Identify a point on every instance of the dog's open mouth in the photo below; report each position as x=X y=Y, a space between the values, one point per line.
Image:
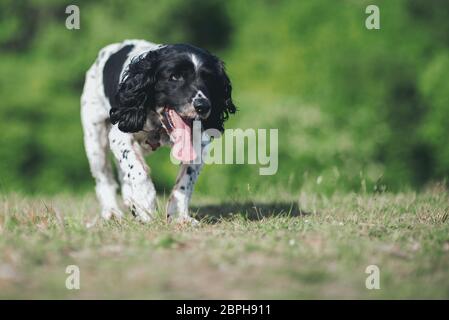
x=180 y=132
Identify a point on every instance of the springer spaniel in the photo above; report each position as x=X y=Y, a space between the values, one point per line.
x=136 y=96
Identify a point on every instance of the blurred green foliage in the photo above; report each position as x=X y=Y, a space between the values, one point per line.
x=356 y=109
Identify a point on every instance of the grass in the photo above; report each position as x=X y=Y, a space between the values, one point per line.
x=267 y=249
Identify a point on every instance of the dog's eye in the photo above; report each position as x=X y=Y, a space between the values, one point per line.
x=176 y=77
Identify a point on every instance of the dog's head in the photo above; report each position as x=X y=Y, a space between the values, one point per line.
x=181 y=83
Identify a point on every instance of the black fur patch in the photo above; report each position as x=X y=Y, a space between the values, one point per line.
x=111 y=72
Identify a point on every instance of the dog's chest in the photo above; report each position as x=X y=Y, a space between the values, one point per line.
x=153 y=134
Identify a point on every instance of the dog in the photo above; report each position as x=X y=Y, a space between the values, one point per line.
x=135 y=96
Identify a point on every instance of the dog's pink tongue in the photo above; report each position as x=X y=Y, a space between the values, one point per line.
x=182 y=138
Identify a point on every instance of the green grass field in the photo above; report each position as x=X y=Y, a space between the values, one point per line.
x=263 y=248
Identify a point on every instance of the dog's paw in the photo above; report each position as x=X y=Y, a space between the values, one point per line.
x=184 y=220
x=143 y=218
x=109 y=213
x=140 y=215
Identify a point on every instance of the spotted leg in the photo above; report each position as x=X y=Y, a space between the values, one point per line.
x=125 y=186
x=140 y=195
x=178 y=203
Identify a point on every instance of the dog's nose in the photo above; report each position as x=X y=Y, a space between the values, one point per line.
x=201 y=105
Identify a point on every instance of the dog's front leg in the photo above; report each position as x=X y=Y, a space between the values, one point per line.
x=178 y=203
x=135 y=173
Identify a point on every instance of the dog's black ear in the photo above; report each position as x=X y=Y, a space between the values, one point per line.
x=135 y=94
x=222 y=100
x=229 y=107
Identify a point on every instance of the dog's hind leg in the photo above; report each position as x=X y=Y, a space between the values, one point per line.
x=96 y=128
x=96 y=144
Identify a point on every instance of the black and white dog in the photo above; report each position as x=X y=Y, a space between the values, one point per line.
x=135 y=96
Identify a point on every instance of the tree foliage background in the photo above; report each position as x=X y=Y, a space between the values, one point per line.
x=356 y=109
